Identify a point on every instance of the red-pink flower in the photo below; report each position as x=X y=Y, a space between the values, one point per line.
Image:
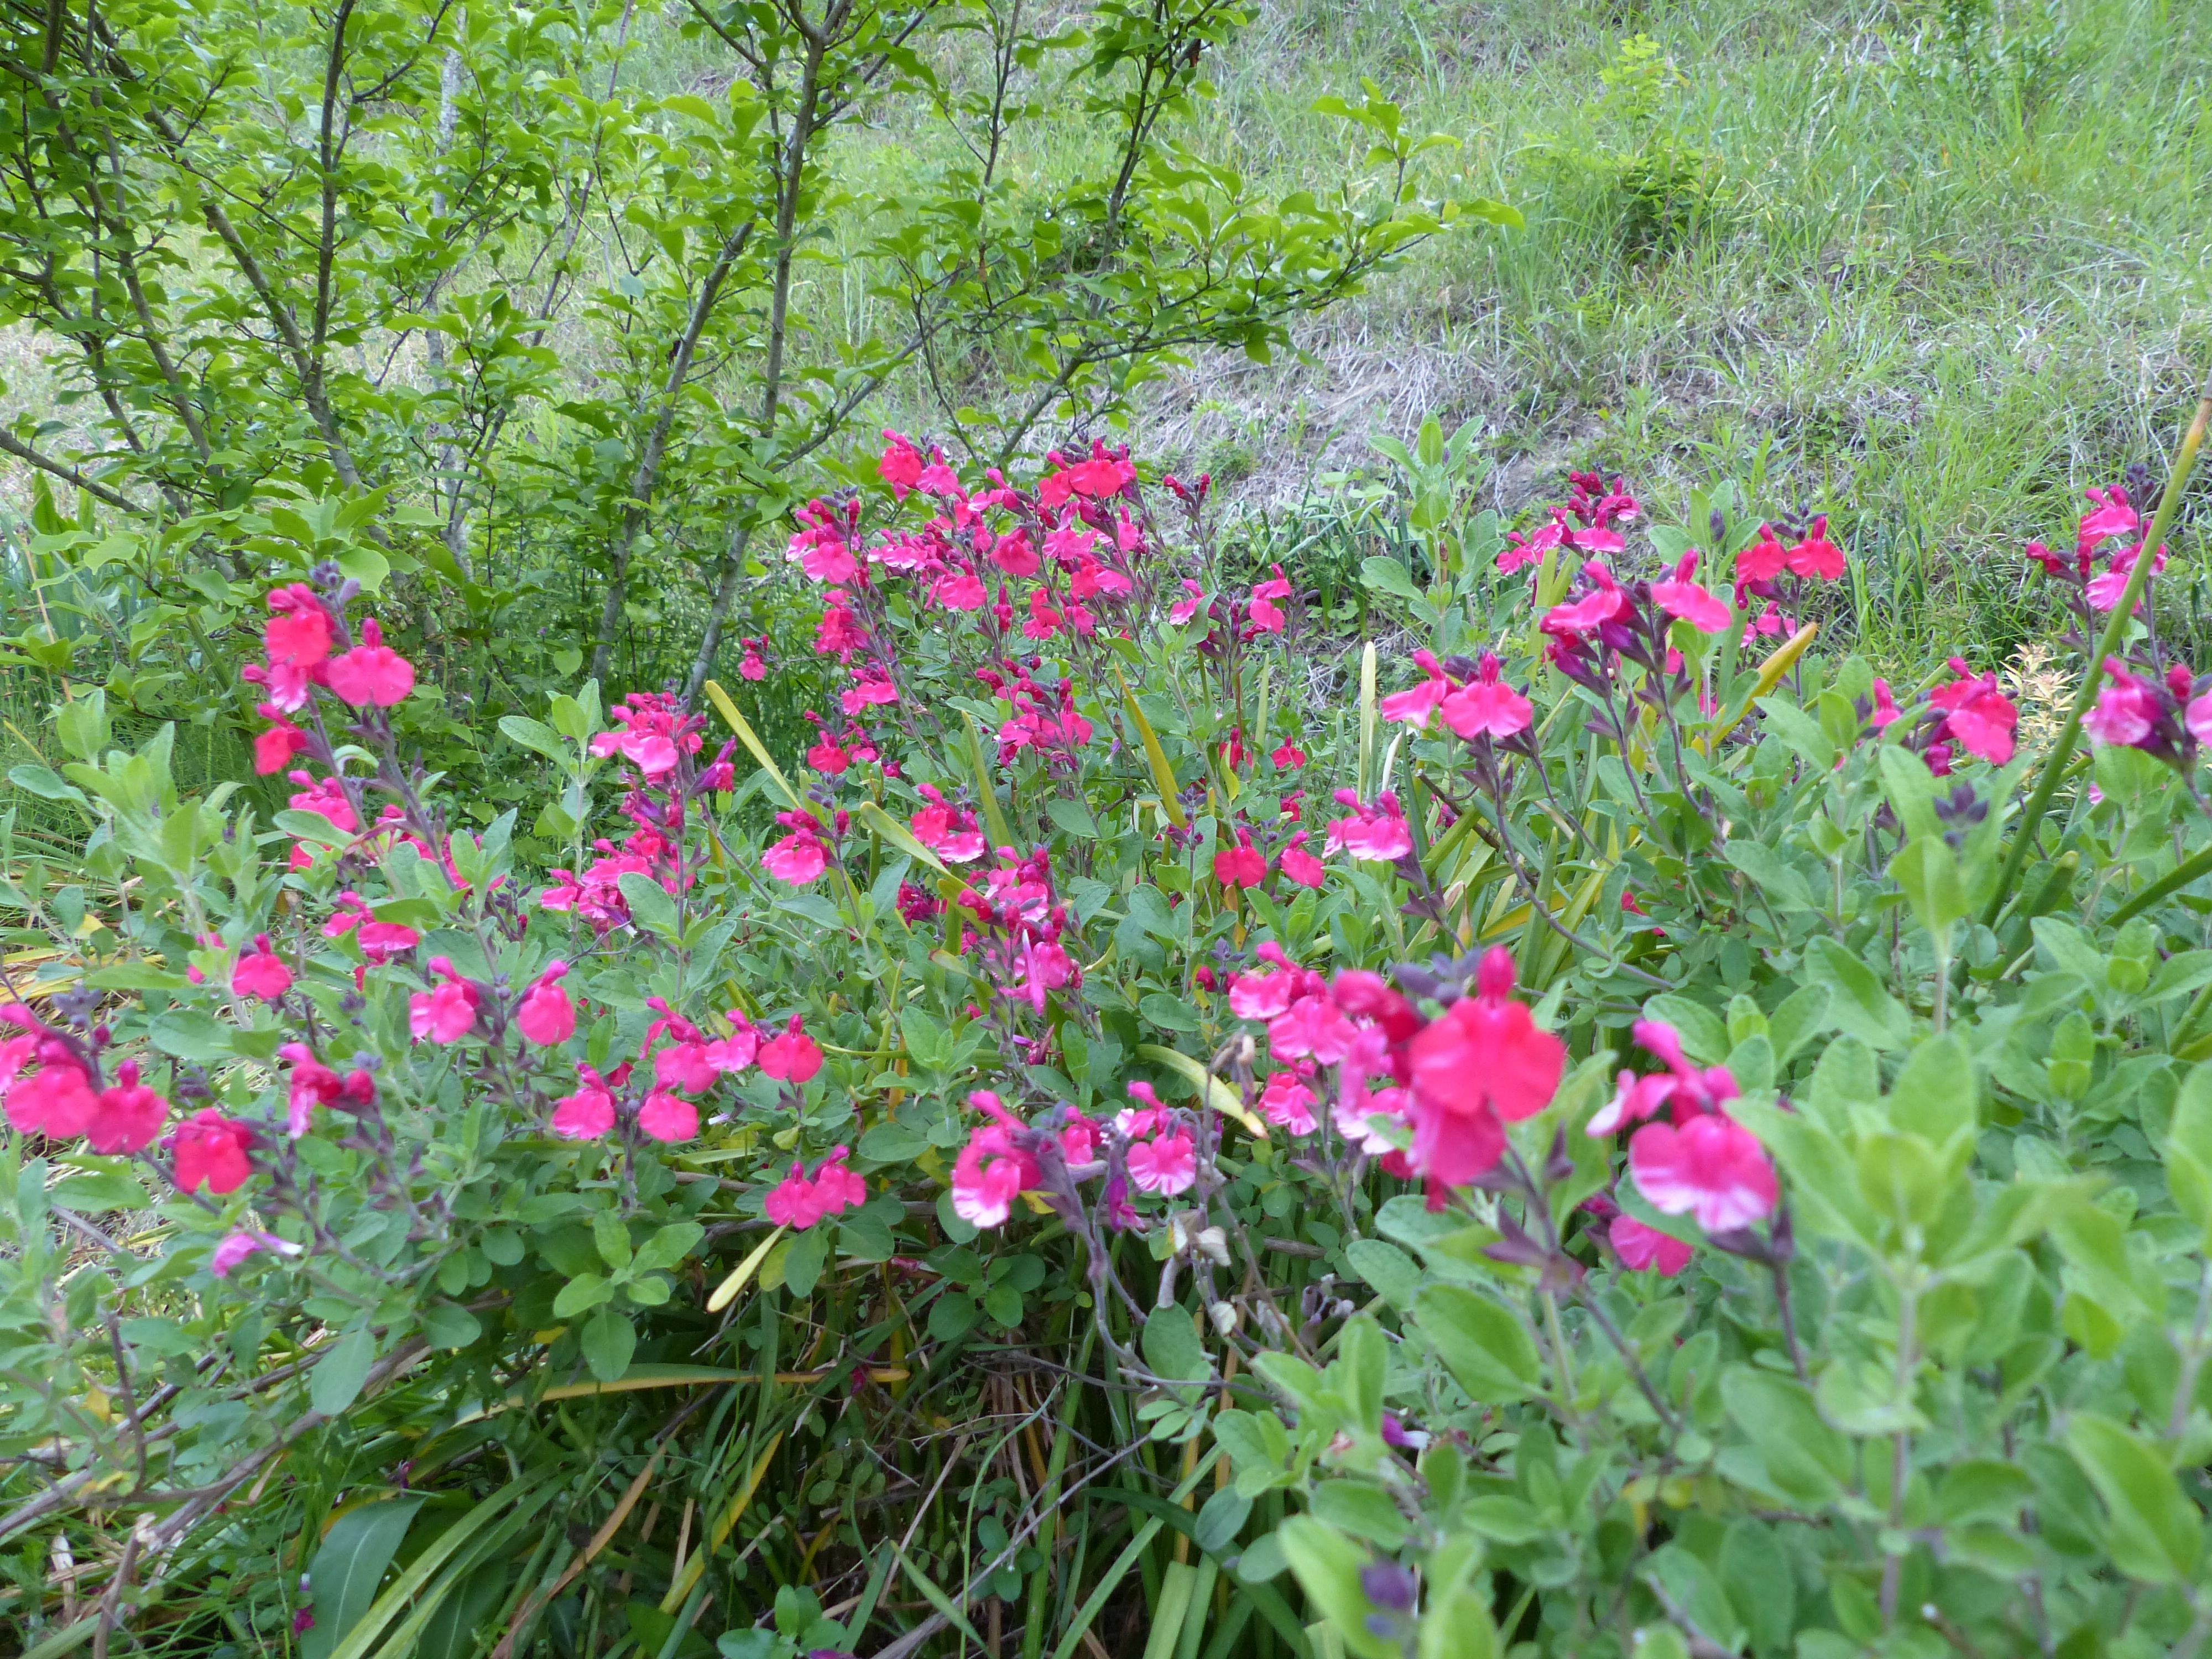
x=1488 y=708
x=1640 y=1247
x=261 y=974
x=1712 y=1167
x=372 y=673
x=1264 y=996
x=310 y=1084
x=1378 y=831
x=209 y=1151
x=446 y=1013
x=1977 y=714
x=2110 y=515
x=2125 y=709
x=57 y=1100
x=1885 y=705
x=1311 y=1027
x=1602 y=602
x=1763 y=560
x=1287 y=1101
x=274 y=749
x=791 y=1054
x=1241 y=865
x=2105 y=589
x=547 y=1016
x=1683 y=597
x=299 y=632
x=1299 y=865
x=1484 y=1063
x=666 y=1115
x=798 y=1202
x=1261 y=610
x=326 y=796
x=131 y=1114
x=901 y=466
x=1166 y=1165
x=959 y=590
x=1526 y=549
x=1417 y=701
x=1682 y=1086
x=753 y=668
x=1815 y=557
x=800 y=856
x=587 y=1114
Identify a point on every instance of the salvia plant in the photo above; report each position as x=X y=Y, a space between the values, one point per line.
x=1618 y=1133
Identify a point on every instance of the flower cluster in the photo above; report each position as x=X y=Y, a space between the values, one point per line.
x=1697 y=1161
x=2106 y=547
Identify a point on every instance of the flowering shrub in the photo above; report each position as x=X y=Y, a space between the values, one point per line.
x=1601 y=1129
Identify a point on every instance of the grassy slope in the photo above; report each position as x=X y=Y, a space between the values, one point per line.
x=1935 y=292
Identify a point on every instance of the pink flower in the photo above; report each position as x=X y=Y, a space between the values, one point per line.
x=372 y=673
x=1684 y=597
x=1378 y=832
x=1166 y=1165
x=1299 y=865
x=381 y=941
x=57 y=1100
x=993 y=1167
x=1263 y=996
x=1978 y=715
x=791 y=1055
x=1313 y=1026
x=799 y=858
x=737 y=1050
x=1489 y=708
x=1241 y=865
x=668 y=1116
x=1712 y=1169
x=1640 y=1247
x=2125 y=710
x=901 y=466
x=546 y=1016
x=446 y=1013
x=325 y=796
x=232 y=1251
x=1078 y=1139
x=1417 y=701
x=791 y=1201
x=869 y=688
x=274 y=749
x=1288 y=758
x=1815 y=557
x=1287 y=1101
x=1602 y=602
x=1526 y=549
x=262 y=974
x=685 y=1066
x=130 y=1114
x=209 y=1151
x=1484 y=1063
x=1682 y=1086
x=587 y=1114
x=2104 y=588
x=299 y=632
x=1763 y=560
x=2110 y=516
x=752 y=667
x=2197 y=717
x=1885 y=706
x=310 y=1084
x=959 y=590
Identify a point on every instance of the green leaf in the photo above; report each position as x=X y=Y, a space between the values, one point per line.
x=1936 y=1095
x=612 y=1238
x=1382 y=574
x=580 y=1294
x=669 y=1246
x=337 y=1381
x=1928 y=870
x=649 y=903
x=803 y=1264
x=2189 y=1149
x=1172 y=1348
x=1487 y=1350
x=1755 y=1575
x=535 y=735
x=2155 y=1533
x=1364 y=1510
x=449 y=1325
x=608 y=1340
x=350 y=1564
x=1221 y=1519
x=1326 y=1565
x=1703 y=1033
x=1805 y=1459
x=928 y=1043
x=1857 y=1004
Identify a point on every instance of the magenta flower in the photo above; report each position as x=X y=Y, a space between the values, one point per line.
x=262 y=974
x=790 y=1055
x=1377 y=832
x=1712 y=1169
x=1166 y=1165
x=2125 y=710
x=587 y=1114
x=129 y=1117
x=1977 y=715
x=1640 y=1247
x=1241 y=865
x=1488 y=708
x=667 y=1116
x=372 y=674
x=1685 y=598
